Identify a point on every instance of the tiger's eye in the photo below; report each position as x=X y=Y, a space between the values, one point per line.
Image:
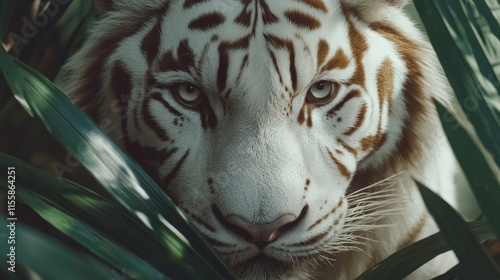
x=322 y=92
x=188 y=94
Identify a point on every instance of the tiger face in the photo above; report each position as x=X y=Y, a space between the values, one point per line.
x=257 y=117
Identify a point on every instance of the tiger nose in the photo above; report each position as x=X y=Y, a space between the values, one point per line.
x=263 y=234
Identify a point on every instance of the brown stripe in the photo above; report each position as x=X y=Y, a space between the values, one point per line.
x=373 y=141
x=339 y=61
x=315 y=4
x=359 y=121
x=353 y=94
x=385 y=84
x=267 y=15
x=323 y=50
x=413 y=234
x=207 y=21
x=341 y=201
x=305 y=114
x=417 y=102
x=276 y=67
x=343 y=170
x=288 y=45
x=315 y=239
x=302 y=20
x=359 y=47
x=347 y=147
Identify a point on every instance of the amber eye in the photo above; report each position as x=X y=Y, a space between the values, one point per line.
x=188 y=94
x=322 y=92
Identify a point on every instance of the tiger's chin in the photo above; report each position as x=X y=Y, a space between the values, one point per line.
x=267 y=268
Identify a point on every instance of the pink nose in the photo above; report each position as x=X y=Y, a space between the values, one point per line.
x=262 y=234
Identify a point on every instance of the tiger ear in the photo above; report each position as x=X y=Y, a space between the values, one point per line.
x=103 y=6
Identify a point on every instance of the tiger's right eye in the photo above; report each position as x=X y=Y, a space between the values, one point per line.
x=188 y=94
x=322 y=92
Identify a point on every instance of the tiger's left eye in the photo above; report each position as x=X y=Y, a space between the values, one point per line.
x=322 y=92
x=188 y=94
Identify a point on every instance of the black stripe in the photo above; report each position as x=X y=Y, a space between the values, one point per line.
x=188 y=4
x=151 y=121
x=158 y=97
x=207 y=21
x=224 y=49
x=171 y=176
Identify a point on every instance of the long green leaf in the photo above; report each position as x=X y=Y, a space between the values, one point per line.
x=454 y=273
x=40 y=254
x=467 y=61
x=407 y=260
x=121 y=176
x=36 y=30
x=483 y=180
x=113 y=236
x=474 y=259
x=6 y=7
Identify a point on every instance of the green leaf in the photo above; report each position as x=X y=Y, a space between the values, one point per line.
x=454 y=273
x=483 y=180
x=464 y=39
x=42 y=255
x=407 y=260
x=113 y=236
x=14 y=80
x=474 y=259
x=37 y=30
x=121 y=176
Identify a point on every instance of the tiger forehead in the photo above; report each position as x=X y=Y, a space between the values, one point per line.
x=223 y=41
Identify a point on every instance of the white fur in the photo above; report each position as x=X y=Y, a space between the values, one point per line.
x=259 y=158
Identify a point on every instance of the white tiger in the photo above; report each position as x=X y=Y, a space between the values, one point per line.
x=266 y=120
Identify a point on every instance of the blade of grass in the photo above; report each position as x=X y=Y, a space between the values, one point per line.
x=49 y=259
x=121 y=176
x=483 y=180
x=473 y=257
x=465 y=63
x=113 y=236
x=454 y=273
x=13 y=79
x=6 y=7
x=407 y=260
x=36 y=43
